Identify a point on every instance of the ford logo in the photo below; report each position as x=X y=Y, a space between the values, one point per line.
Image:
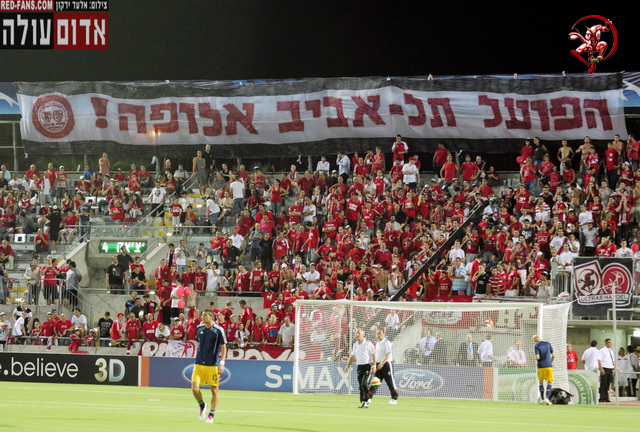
x=418 y=381
x=188 y=372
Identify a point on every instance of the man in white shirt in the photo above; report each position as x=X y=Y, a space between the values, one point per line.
x=364 y=354
x=485 y=351
x=456 y=252
x=516 y=356
x=5 y=330
x=410 y=173
x=426 y=345
x=624 y=251
x=286 y=334
x=312 y=277
x=384 y=368
x=79 y=321
x=558 y=241
x=19 y=329
x=213 y=211
x=237 y=190
x=323 y=166
x=162 y=332
x=605 y=364
x=157 y=196
x=213 y=278
x=236 y=239
x=309 y=211
x=567 y=257
x=344 y=165
x=590 y=357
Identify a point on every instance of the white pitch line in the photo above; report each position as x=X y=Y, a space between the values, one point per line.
x=405 y=401
x=309 y=414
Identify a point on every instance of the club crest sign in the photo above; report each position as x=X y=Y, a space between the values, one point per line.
x=597 y=280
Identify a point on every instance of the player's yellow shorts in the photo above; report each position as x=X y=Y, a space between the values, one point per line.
x=204 y=375
x=545 y=374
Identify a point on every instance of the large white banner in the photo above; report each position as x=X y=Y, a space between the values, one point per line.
x=328 y=114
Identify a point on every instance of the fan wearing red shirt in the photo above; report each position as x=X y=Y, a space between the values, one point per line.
x=177 y=330
x=469 y=169
x=449 y=170
x=258 y=334
x=383 y=256
x=192 y=325
x=399 y=148
x=246 y=316
x=49 y=326
x=572 y=358
x=280 y=246
x=243 y=280
x=199 y=280
x=353 y=209
x=295 y=212
x=149 y=328
x=133 y=328
x=272 y=330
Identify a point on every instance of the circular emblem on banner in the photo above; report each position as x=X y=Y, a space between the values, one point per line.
x=616 y=278
x=52 y=116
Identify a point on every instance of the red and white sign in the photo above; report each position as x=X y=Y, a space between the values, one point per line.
x=328 y=114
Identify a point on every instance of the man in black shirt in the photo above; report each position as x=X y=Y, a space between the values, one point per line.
x=528 y=231
x=233 y=255
x=150 y=306
x=124 y=259
x=138 y=279
x=207 y=154
x=104 y=324
x=266 y=251
x=481 y=278
x=138 y=310
x=115 y=277
x=54 y=219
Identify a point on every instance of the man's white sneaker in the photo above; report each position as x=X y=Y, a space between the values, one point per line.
x=369 y=401
x=203 y=412
x=547 y=402
x=363 y=405
x=393 y=402
x=210 y=419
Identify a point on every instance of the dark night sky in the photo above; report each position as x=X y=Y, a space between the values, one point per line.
x=218 y=40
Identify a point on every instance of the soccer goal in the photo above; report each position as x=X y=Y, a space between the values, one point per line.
x=440 y=350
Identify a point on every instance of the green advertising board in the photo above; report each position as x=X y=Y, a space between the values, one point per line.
x=114 y=247
x=521 y=385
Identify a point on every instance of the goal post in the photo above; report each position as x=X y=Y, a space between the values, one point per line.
x=482 y=351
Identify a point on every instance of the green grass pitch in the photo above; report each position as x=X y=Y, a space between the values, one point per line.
x=65 y=407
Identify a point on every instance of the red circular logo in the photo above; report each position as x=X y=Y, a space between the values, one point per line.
x=52 y=116
x=616 y=278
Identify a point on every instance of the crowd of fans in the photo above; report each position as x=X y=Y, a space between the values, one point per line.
x=353 y=228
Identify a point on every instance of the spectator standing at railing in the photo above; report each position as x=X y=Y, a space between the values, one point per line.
x=18 y=312
x=115 y=277
x=49 y=326
x=149 y=328
x=74 y=278
x=64 y=328
x=5 y=330
x=6 y=253
x=32 y=278
x=104 y=164
x=104 y=327
x=157 y=198
x=132 y=331
x=79 y=321
x=19 y=329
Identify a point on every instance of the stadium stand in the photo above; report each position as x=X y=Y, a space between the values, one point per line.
x=371 y=231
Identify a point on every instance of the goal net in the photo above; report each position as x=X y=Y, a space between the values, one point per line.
x=440 y=350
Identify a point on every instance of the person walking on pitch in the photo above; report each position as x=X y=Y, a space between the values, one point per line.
x=384 y=369
x=545 y=357
x=364 y=355
x=209 y=364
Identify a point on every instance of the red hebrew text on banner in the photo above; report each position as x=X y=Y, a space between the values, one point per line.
x=324 y=115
